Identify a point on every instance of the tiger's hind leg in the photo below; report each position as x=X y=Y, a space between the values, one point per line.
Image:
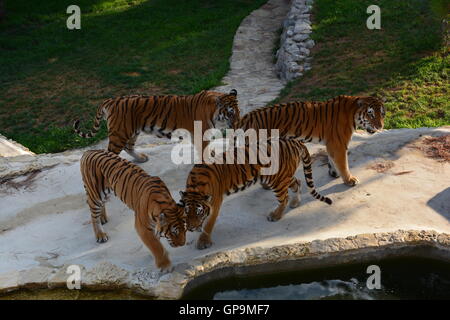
x=97 y=212
x=281 y=192
x=116 y=143
x=129 y=148
x=332 y=171
x=295 y=188
x=103 y=217
x=265 y=186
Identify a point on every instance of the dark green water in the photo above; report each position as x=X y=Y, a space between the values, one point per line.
x=405 y=278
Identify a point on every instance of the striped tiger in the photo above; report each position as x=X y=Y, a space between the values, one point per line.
x=129 y=115
x=207 y=184
x=331 y=122
x=156 y=213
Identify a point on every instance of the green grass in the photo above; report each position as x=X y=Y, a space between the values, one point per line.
x=50 y=75
x=405 y=61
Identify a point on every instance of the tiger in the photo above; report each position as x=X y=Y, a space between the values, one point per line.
x=208 y=184
x=156 y=213
x=330 y=122
x=127 y=116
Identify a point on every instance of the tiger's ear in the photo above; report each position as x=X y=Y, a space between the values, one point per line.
x=219 y=103
x=360 y=102
x=182 y=194
x=233 y=92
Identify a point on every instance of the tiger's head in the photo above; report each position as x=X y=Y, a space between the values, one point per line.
x=172 y=225
x=227 y=112
x=370 y=114
x=196 y=207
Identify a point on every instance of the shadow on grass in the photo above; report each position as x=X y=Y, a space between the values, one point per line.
x=50 y=75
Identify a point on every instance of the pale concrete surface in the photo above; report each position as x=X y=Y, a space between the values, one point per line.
x=45 y=223
x=10 y=148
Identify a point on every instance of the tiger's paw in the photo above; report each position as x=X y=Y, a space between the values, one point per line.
x=102 y=237
x=203 y=242
x=352 y=181
x=332 y=172
x=273 y=216
x=294 y=203
x=141 y=158
x=265 y=186
x=164 y=266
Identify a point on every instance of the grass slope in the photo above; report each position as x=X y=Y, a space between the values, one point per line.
x=50 y=75
x=405 y=61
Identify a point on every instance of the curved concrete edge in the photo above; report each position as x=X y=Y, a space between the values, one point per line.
x=11 y=148
x=258 y=260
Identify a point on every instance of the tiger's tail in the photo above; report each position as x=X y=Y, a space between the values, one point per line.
x=95 y=128
x=307 y=170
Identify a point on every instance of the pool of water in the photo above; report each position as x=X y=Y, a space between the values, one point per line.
x=401 y=278
x=405 y=278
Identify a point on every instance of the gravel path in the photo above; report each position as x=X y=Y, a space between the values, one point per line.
x=252 y=70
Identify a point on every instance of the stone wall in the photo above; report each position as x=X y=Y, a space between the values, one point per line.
x=295 y=43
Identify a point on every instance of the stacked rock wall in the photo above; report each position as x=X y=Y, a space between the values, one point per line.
x=295 y=43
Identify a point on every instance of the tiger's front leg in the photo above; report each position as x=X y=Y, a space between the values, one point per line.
x=340 y=161
x=148 y=237
x=204 y=240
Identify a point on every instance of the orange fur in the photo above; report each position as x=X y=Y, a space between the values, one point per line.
x=161 y=115
x=331 y=122
x=207 y=184
x=156 y=213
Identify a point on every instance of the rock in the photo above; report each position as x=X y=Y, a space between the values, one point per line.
x=304 y=51
x=293 y=50
x=297 y=27
x=9 y=281
x=35 y=277
x=309 y=44
x=105 y=275
x=300 y=37
x=301 y=27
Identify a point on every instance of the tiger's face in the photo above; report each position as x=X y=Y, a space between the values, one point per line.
x=370 y=114
x=197 y=208
x=227 y=113
x=172 y=226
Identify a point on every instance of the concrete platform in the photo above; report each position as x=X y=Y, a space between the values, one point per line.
x=10 y=148
x=45 y=221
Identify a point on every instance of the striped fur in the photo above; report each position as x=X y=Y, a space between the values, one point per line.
x=208 y=184
x=331 y=122
x=156 y=213
x=161 y=115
